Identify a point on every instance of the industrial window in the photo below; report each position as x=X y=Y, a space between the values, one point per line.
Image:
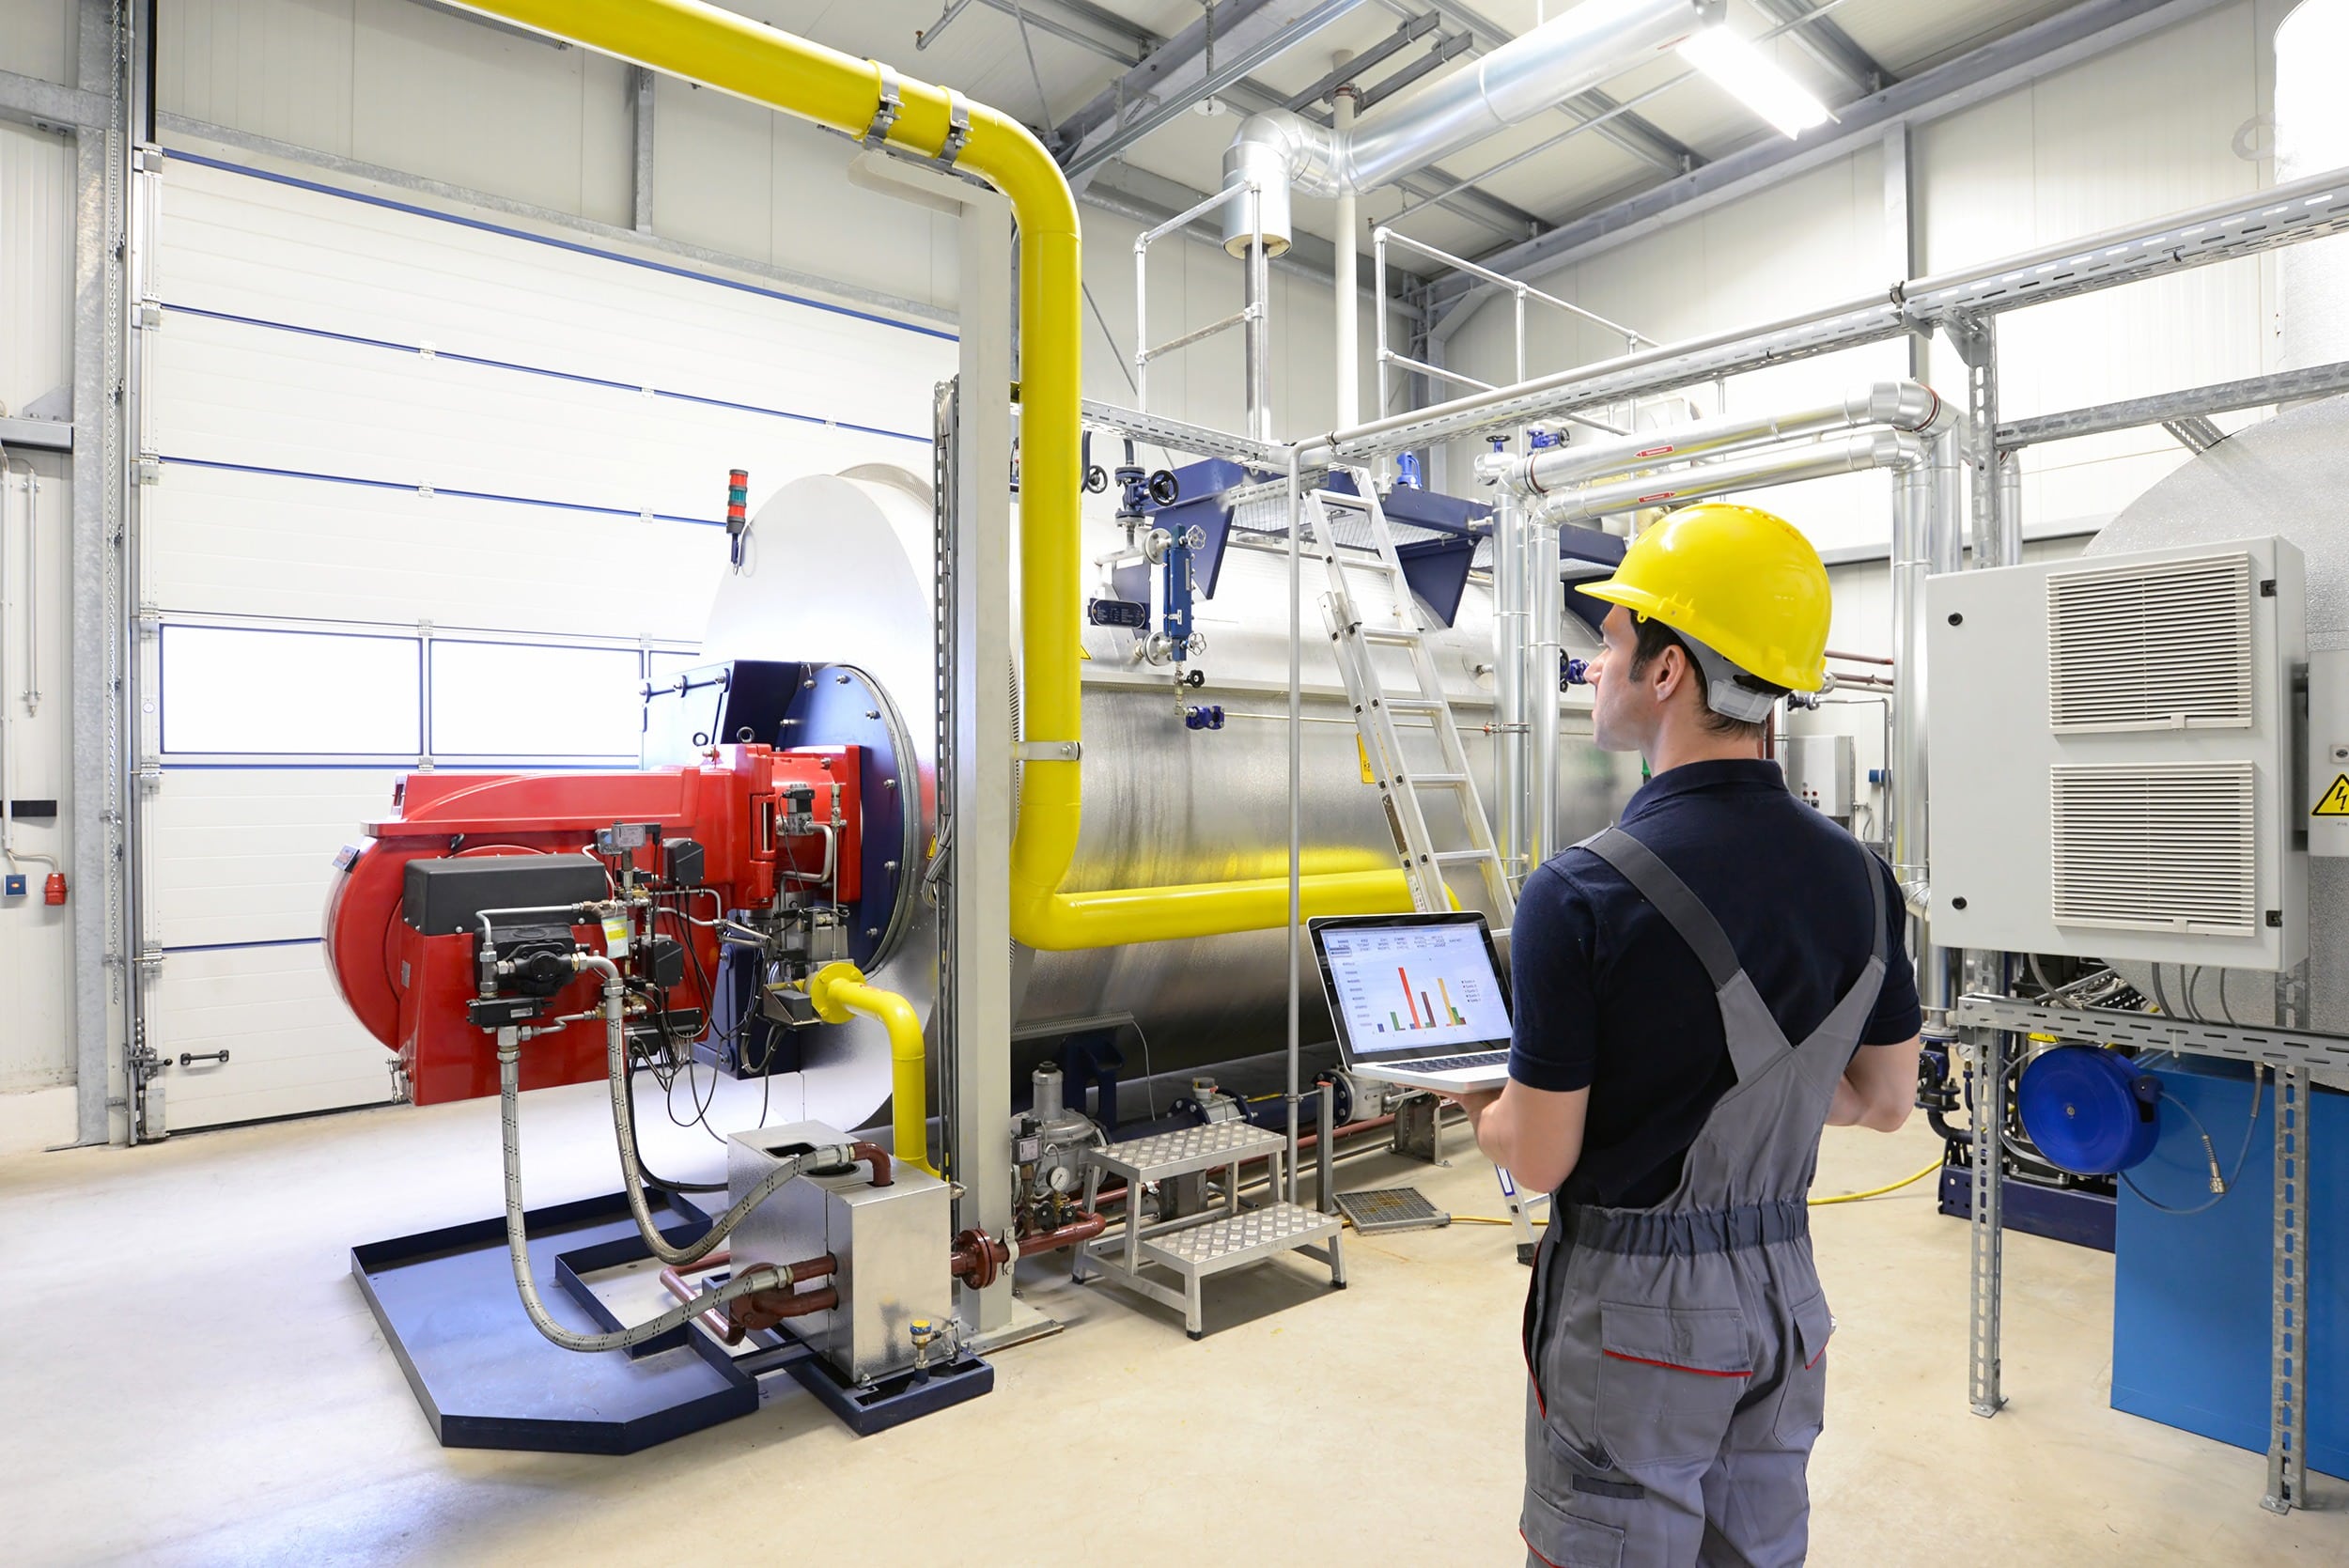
x=526 y=700
x=289 y=694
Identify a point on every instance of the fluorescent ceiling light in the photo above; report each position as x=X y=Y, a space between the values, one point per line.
x=1754 y=80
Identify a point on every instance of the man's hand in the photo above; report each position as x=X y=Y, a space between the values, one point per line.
x=1474 y=1101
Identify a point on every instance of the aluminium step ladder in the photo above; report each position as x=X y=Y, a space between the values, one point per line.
x=1231 y=1234
x=1404 y=790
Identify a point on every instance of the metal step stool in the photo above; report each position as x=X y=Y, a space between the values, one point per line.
x=1194 y=1245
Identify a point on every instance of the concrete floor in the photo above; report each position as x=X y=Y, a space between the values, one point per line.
x=236 y=1405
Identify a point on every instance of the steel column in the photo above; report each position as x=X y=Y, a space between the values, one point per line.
x=1986 y=972
x=1509 y=657
x=98 y=630
x=977 y=985
x=2288 y=1290
x=640 y=168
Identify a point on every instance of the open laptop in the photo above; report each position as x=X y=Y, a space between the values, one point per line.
x=1419 y=999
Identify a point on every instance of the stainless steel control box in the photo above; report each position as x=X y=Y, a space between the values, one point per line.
x=891 y=1244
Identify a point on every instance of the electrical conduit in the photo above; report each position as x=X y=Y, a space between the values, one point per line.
x=701 y=43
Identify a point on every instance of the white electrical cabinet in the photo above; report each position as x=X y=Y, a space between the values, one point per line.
x=2115 y=757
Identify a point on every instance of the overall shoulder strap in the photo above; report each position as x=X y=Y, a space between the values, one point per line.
x=1656 y=882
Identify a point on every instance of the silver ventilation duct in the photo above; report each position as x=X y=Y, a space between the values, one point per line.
x=1281 y=152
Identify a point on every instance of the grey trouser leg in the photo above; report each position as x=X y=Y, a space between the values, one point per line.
x=1757 y=1494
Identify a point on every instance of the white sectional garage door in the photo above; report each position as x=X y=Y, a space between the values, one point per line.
x=432 y=491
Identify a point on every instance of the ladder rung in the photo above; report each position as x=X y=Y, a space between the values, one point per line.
x=1454 y=856
x=1414 y=705
x=1453 y=780
x=1387 y=634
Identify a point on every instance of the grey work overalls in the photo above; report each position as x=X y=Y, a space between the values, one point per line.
x=1676 y=1352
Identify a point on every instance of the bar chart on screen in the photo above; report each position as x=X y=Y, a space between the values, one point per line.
x=1416 y=988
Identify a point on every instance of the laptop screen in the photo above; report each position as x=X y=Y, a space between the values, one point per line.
x=1412 y=985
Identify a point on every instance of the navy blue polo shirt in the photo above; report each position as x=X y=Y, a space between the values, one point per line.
x=1608 y=998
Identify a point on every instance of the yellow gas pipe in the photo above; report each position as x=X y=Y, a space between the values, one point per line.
x=839 y=989
x=701 y=43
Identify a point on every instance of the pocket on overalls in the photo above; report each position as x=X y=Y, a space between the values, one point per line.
x=1563 y=1541
x=1802 y=1405
x=1669 y=1380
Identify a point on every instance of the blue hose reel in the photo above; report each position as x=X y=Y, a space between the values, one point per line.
x=2091 y=1111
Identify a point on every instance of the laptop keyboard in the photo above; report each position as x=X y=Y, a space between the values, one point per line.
x=1446 y=1063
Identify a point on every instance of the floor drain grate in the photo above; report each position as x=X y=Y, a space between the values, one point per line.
x=1391 y=1208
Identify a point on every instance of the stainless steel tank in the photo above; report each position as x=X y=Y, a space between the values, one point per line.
x=840 y=568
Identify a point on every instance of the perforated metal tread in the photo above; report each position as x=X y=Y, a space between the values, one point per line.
x=1187 y=1149
x=1239 y=1238
x=1391 y=1208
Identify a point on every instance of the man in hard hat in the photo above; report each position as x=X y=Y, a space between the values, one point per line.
x=1698 y=990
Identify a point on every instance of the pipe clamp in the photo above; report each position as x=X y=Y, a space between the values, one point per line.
x=957 y=128
x=885 y=112
x=1046 y=750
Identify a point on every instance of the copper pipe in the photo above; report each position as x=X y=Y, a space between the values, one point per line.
x=721 y=1325
x=713 y=1320
x=880 y=1157
x=977 y=1259
x=1084 y=1228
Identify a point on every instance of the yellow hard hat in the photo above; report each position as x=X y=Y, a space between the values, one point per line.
x=1741 y=580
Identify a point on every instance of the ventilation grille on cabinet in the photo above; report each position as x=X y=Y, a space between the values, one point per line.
x=2164 y=646
x=2155 y=846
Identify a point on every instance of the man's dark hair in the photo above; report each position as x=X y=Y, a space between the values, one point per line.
x=1654 y=637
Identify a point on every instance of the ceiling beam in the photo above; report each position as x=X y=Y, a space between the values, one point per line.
x=2056 y=43
x=1247 y=34
x=1828 y=45
x=1407 y=32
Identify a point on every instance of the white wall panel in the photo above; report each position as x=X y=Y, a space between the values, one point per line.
x=738 y=178
x=37 y=38
x=245 y=856
x=36 y=941
x=293 y=1046
x=37 y=264
x=277 y=67
x=446 y=98
x=2147 y=129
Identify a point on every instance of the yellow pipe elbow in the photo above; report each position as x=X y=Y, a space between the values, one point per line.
x=838 y=990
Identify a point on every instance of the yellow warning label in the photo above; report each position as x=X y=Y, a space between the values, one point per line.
x=2335 y=801
x=1369 y=778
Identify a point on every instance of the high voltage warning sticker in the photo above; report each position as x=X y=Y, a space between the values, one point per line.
x=2335 y=801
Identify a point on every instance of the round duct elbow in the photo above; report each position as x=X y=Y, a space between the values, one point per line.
x=1910 y=407
x=1278 y=152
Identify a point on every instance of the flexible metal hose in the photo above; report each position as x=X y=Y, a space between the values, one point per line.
x=518 y=1239
x=624 y=1133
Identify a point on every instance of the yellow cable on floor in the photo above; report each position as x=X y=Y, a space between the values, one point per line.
x=1878 y=1191
x=1815 y=1202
